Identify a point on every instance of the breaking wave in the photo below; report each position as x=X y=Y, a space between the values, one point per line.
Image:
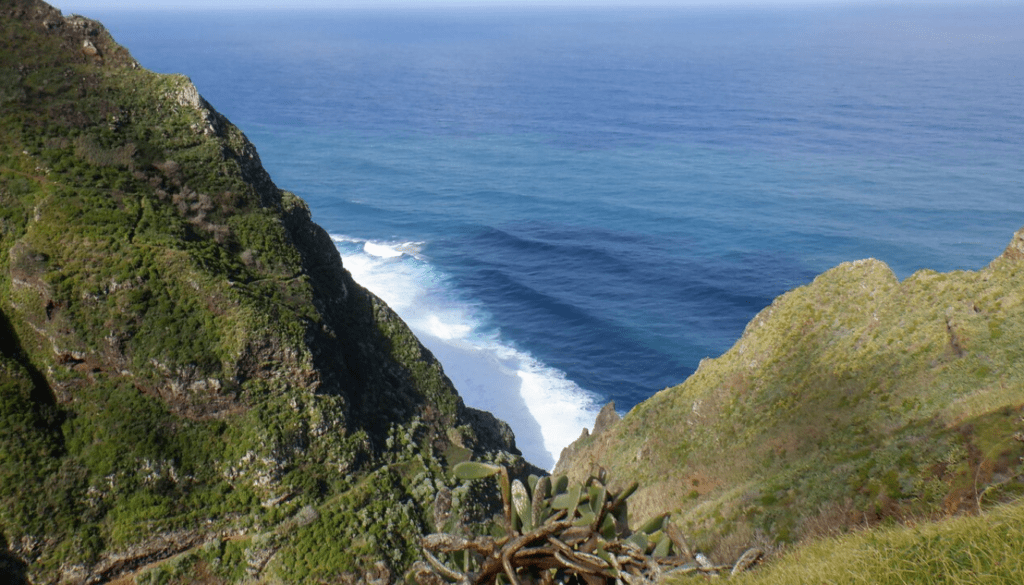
x=546 y=410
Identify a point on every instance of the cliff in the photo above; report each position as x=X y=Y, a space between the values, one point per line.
x=185 y=365
x=852 y=401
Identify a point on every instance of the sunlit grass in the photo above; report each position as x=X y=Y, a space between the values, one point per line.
x=961 y=551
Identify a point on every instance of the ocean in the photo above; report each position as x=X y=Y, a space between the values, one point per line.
x=571 y=206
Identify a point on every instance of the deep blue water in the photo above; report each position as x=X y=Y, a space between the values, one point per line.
x=575 y=206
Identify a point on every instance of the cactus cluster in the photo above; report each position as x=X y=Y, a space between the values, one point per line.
x=553 y=532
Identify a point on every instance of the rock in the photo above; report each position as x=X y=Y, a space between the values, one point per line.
x=493 y=434
x=1015 y=250
x=89 y=49
x=606 y=419
x=12 y=568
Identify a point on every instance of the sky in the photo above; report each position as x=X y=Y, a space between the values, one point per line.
x=85 y=6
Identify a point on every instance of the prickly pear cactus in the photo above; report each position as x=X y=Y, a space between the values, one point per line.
x=552 y=532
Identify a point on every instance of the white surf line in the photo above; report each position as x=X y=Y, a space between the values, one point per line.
x=546 y=410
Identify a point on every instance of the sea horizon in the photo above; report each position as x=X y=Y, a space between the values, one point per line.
x=570 y=207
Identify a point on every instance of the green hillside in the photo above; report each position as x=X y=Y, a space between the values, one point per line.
x=955 y=551
x=194 y=390
x=184 y=362
x=853 y=401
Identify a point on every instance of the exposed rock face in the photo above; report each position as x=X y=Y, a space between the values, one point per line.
x=606 y=419
x=850 y=400
x=570 y=455
x=180 y=341
x=1015 y=250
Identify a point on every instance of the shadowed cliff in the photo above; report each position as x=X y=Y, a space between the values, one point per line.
x=184 y=357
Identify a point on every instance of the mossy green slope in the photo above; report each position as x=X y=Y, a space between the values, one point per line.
x=853 y=400
x=182 y=355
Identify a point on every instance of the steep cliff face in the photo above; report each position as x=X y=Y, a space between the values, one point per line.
x=849 y=401
x=182 y=354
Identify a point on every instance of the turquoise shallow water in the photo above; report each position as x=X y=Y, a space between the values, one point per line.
x=575 y=206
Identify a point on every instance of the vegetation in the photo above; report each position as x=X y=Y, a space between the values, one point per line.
x=854 y=401
x=957 y=551
x=553 y=532
x=187 y=374
x=182 y=355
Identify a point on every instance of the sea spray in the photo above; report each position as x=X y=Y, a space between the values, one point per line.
x=545 y=409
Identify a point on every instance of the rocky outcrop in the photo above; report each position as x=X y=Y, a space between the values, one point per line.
x=571 y=455
x=1014 y=252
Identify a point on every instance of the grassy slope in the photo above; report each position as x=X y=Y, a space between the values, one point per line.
x=957 y=551
x=181 y=352
x=851 y=401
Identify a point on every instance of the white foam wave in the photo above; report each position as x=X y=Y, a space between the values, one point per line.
x=546 y=410
x=381 y=251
